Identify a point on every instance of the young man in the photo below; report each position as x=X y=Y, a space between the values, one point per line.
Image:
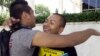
x=54 y=24
x=24 y=40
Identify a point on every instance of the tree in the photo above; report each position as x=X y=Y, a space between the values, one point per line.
x=5 y=3
x=41 y=10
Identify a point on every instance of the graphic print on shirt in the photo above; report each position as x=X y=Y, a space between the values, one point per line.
x=51 y=52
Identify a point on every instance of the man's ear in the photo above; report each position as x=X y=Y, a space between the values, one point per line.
x=24 y=15
x=61 y=30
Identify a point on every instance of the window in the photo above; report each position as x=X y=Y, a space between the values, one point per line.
x=91 y=4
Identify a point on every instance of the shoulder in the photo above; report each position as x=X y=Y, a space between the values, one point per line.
x=25 y=32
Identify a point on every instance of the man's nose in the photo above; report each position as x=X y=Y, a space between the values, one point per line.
x=46 y=23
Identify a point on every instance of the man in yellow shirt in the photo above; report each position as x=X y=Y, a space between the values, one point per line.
x=54 y=24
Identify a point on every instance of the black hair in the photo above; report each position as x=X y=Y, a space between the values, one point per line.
x=62 y=19
x=16 y=9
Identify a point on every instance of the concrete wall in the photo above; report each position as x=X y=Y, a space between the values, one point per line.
x=72 y=6
x=89 y=48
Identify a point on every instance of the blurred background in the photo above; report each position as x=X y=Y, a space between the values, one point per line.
x=80 y=15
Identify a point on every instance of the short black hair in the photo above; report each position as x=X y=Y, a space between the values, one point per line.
x=17 y=7
x=62 y=19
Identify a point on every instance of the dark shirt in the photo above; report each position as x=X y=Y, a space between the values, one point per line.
x=70 y=50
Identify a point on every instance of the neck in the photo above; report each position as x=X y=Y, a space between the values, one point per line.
x=25 y=26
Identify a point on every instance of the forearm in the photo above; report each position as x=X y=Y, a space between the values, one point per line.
x=76 y=38
x=60 y=41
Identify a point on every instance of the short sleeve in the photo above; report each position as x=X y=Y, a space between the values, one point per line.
x=26 y=37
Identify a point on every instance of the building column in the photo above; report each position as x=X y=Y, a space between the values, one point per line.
x=60 y=6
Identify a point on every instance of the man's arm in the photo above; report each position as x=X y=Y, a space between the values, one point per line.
x=60 y=41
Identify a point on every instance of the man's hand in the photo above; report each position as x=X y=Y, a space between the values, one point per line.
x=95 y=32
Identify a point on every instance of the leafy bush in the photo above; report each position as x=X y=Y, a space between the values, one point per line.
x=2 y=19
x=41 y=10
x=83 y=17
x=41 y=19
x=80 y=17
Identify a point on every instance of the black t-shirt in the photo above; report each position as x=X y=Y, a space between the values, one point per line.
x=69 y=50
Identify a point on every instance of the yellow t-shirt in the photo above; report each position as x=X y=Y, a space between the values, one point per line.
x=50 y=52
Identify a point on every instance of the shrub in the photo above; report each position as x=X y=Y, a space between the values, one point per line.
x=2 y=19
x=80 y=17
x=41 y=19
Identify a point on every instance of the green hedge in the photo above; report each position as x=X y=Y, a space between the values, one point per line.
x=41 y=19
x=2 y=19
x=83 y=17
x=80 y=17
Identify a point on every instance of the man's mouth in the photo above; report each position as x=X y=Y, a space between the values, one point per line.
x=45 y=29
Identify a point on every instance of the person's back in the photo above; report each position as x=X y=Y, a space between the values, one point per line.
x=20 y=42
